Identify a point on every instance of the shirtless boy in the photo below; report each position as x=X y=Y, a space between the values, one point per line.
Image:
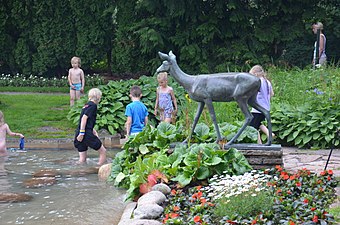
x=76 y=80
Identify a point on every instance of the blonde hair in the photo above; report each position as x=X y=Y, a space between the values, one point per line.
x=258 y=71
x=76 y=59
x=318 y=25
x=162 y=76
x=2 y=118
x=95 y=94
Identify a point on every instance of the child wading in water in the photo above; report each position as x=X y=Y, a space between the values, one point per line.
x=263 y=98
x=4 y=130
x=166 y=102
x=86 y=136
x=76 y=80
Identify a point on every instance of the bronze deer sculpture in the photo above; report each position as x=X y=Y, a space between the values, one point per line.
x=220 y=87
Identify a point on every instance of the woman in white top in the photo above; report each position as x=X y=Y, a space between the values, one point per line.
x=322 y=45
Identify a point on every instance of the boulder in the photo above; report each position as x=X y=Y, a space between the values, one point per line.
x=46 y=173
x=6 y=197
x=148 y=211
x=36 y=182
x=139 y=222
x=104 y=172
x=152 y=197
x=81 y=171
x=165 y=189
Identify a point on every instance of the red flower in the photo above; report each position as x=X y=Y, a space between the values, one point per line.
x=254 y=222
x=305 y=201
x=231 y=222
x=313 y=209
x=211 y=204
x=173 y=192
x=197 y=195
x=199 y=187
x=323 y=173
x=166 y=218
x=329 y=178
x=330 y=172
x=291 y=223
x=298 y=184
x=286 y=177
x=292 y=177
x=289 y=192
x=197 y=219
x=176 y=208
x=315 y=219
x=278 y=191
x=203 y=201
x=174 y=215
x=278 y=167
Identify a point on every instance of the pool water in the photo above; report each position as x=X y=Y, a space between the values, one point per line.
x=73 y=199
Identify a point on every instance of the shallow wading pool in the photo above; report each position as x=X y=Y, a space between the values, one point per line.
x=76 y=198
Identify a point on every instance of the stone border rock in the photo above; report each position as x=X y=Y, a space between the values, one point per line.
x=148 y=209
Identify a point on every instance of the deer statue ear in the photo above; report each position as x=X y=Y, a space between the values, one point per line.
x=163 y=56
x=172 y=55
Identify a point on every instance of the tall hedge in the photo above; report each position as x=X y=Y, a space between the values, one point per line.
x=40 y=36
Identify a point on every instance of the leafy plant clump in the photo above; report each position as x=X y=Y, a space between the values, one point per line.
x=115 y=98
x=150 y=150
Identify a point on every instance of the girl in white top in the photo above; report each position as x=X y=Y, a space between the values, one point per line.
x=4 y=130
x=322 y=45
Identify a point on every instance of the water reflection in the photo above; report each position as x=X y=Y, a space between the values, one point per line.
x=74 y=199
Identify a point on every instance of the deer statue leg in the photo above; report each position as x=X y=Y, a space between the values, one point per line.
x=213 y=118
x=242 y=103
x=252 y=102
x=197 y=116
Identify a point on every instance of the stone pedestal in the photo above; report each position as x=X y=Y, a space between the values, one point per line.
x=260 y=156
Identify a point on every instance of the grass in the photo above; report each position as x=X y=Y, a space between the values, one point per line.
x=37 y=115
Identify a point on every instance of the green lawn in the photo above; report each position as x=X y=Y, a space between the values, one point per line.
x=37 y=115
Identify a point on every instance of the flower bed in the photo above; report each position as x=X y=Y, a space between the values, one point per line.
x=20 y=80
x=277 y=197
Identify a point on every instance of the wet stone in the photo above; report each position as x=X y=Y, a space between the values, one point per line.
x=6 y=197
x=36 y=182
x=46 y=173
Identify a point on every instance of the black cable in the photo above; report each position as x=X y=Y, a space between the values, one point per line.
x=333 y=146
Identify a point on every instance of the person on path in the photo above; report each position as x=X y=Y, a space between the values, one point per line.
x=322 y=45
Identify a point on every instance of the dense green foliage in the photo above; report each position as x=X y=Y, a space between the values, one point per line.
x=111 y=109
x=149 y=151
x=40 y=36
x=306 y=115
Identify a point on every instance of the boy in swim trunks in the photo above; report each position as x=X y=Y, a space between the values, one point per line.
x=76 y=80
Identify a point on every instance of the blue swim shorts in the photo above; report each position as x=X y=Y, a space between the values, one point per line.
x=77 y=86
